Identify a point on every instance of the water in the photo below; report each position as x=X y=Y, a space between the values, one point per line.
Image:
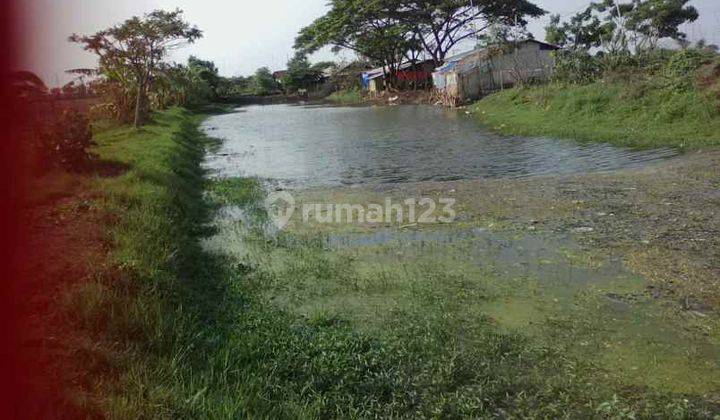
x=540 y=257
x=299 y=146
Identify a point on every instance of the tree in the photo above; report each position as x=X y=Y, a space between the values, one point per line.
x=622 y=26
x=206 y=70
x=653 y=20
x=703 y=45
x=390 y=32
x=441 y=24
x=370 y=28
x=131 y=53
x=300 y=74
x=582 y=32
x=263 y=82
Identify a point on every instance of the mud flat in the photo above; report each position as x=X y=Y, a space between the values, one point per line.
x=623 y=266
x=599 y=284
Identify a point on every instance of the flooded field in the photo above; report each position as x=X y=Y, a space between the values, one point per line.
x=302 y=146
x=580 y=263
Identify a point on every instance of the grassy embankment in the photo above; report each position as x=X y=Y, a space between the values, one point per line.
x=346 y=97
x=177 y=331
x=634 y=114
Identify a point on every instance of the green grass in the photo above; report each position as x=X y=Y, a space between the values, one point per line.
x=175 y=331
x=625 y=114
x=346 y=97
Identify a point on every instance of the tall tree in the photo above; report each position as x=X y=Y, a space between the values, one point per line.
x=263 y=82
x=370 y=28
x=653 y=20
x=206 y=70
x=583 y=31
x=391 y=31
x=442 y=24
x=131 y=53
x=300 y=74
x=623 y=25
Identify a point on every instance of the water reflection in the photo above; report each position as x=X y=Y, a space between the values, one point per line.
x=310 y=146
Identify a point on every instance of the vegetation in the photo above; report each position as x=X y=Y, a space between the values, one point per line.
x=263 y=82
x=131 y=55
x=347 y=97
x=172 y=329
x=614 y=84
x=618 y=26
x=65 y=141
x=633 y=114
x=179 y=331
x=389 y=33
x=302 y=75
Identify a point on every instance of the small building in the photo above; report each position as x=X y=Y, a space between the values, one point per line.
x=474 y=74
x=279 y=75
x=415 y=75
x=347 y=76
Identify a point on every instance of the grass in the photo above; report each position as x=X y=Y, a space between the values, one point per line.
x=346 y=97
x=632 y=114
x=177 y=331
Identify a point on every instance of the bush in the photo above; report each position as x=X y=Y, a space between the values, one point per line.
x=353 y=96
x=577 y=67
x=682 y=66
x=65 y=141
x=672 y=69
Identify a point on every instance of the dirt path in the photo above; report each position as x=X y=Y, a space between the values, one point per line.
x=65 y=246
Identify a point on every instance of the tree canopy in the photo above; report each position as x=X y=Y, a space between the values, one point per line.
x=390 y=31
x=132 y=53
x=619 y=26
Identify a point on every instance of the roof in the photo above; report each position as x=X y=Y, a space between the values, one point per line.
x=451 y=62
x=535 y=41
x=380 y=71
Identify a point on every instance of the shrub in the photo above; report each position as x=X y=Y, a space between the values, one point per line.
x=65 y=141
x=681 y=67
x=353 y=96
x=577 y=67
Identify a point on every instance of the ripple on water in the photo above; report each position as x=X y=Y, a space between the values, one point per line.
x=330 y=146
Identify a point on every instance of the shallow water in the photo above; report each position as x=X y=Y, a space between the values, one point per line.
x=598 y=305
x=543 y=284
x=540 y=257
x=302 y=146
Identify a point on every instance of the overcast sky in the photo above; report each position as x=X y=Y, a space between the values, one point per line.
x=239 y=35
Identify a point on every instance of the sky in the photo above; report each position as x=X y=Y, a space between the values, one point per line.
x=239 y=35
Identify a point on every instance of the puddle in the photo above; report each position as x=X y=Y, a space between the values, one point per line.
x=542 y=257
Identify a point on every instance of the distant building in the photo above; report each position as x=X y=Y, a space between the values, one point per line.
x=418 y=74
x=279 y=75
x=346 y=76
x=471 y=75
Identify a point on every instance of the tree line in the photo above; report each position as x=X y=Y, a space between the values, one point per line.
x=135 y=74
x=611 y=36
x=135 y=77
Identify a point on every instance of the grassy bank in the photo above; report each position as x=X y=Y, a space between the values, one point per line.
x=153 y=310
x=620 y=113
x=346 y=97
x=177 y=331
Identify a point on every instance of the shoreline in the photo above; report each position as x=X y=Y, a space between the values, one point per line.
x=172 y=313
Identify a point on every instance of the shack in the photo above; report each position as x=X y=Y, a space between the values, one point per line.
x=473 y=74
x=409 y=75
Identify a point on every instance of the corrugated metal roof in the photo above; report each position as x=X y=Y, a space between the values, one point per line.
x=451 y=63
x=380 y=71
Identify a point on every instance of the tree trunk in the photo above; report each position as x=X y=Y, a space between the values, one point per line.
x=138 y=105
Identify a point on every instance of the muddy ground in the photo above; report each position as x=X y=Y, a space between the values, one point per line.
x=663 y=219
